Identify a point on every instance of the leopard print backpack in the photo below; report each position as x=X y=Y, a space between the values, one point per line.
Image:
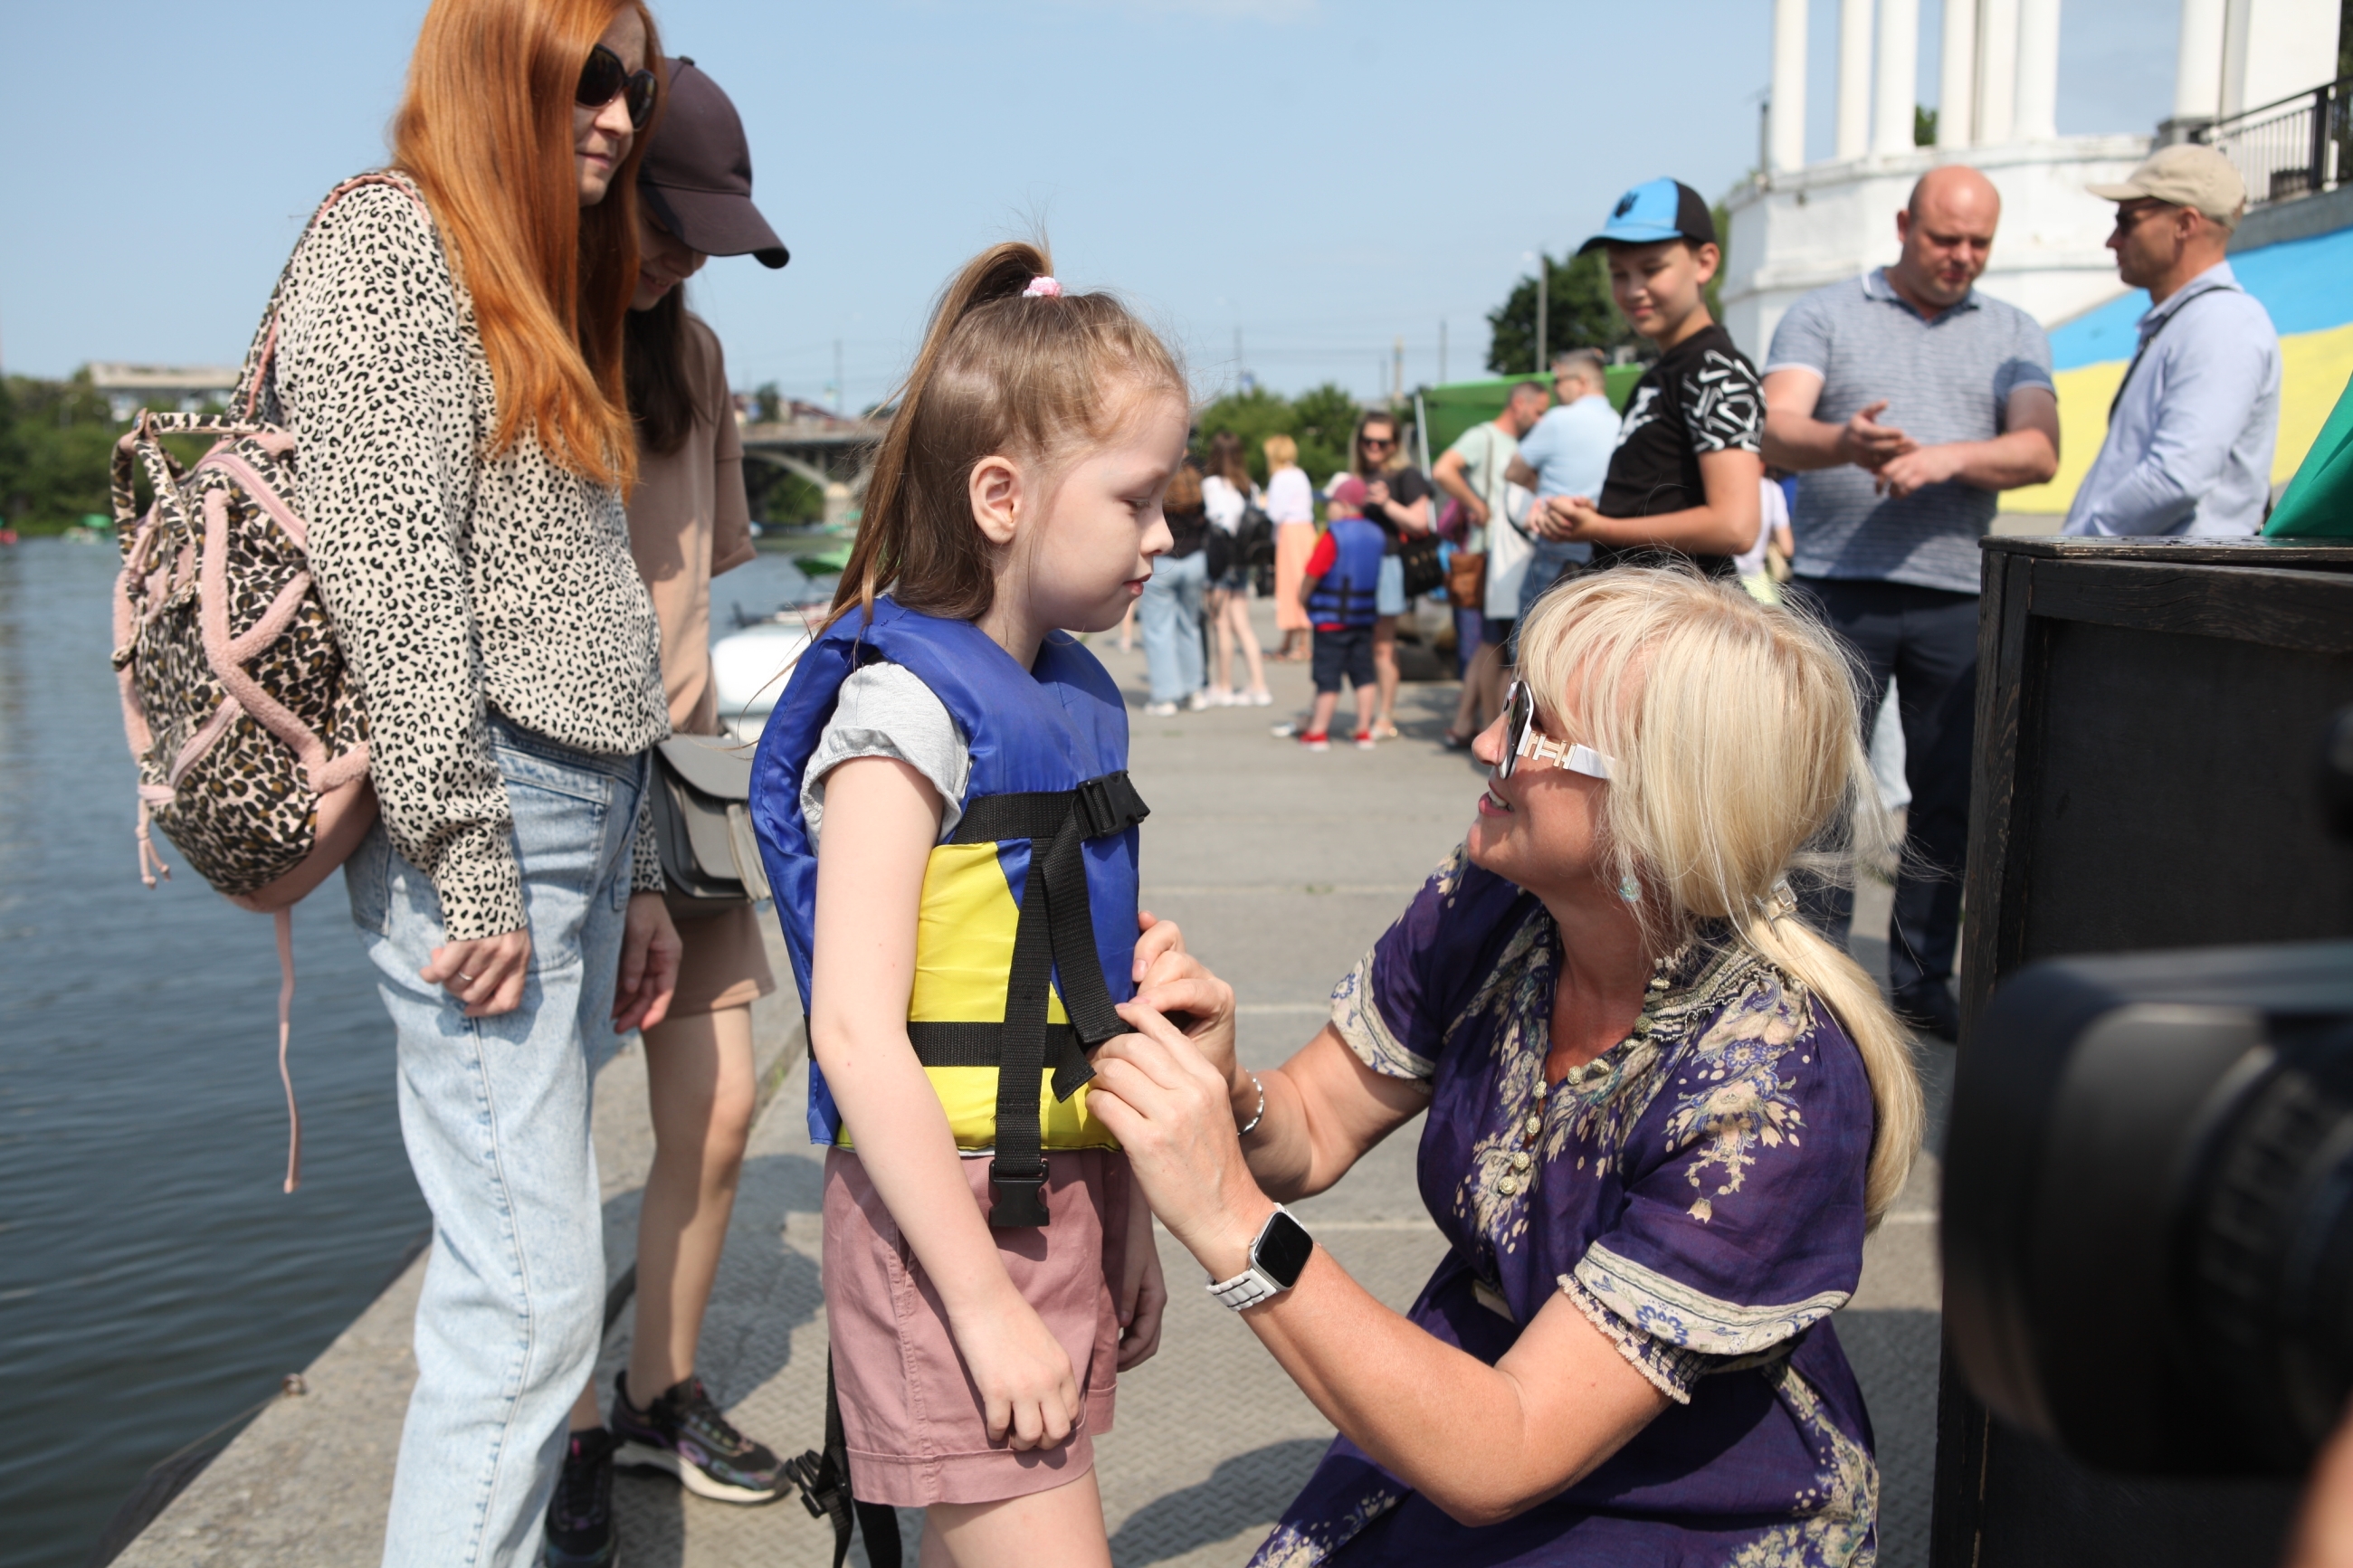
x=246 y=728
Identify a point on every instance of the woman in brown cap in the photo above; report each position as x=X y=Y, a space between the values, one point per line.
x=689 y=521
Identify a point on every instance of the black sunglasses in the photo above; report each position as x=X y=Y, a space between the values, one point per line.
x=604 y=78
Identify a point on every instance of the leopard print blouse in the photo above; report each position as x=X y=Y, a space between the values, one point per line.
x=459 y=582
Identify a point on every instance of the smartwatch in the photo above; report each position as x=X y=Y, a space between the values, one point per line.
x=1276 y=1258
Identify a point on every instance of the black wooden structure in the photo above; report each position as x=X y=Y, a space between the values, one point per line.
x=2149 y=715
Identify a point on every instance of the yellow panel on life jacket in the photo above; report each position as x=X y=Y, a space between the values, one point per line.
x=963 y=955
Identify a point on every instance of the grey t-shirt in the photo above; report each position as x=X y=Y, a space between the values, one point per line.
x=1946 y=380
x=884 y=711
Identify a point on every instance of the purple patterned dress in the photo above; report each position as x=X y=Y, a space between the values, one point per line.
x=1697 y=1192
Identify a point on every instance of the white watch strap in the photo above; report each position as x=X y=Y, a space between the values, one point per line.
x=1246 y=1290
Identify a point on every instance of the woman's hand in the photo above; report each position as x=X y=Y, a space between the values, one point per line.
x=1029 y=1393
x=486 y=974
x=1171 y=1110
x=1143 y=1292
x=1178 y=986
x=649 y=955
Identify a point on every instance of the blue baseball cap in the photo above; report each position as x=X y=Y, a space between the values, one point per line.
x=1653 y=211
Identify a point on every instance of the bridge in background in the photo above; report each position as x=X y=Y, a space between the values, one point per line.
x=833 y=454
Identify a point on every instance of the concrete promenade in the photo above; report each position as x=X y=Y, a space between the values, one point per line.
x=1282 y=868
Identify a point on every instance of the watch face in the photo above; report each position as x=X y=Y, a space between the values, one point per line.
x=1282 y=1248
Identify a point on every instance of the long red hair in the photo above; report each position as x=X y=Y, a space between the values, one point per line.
x=485 y=128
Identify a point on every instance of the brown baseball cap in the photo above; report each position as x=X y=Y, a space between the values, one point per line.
x=2184 y=175
x=697 y=173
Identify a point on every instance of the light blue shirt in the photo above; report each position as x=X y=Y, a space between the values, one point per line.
x=2189 y=449
x=1571 y=447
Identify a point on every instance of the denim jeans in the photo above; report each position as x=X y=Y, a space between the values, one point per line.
x=1170 y=616
x=495 y=1115
x=1926 y=640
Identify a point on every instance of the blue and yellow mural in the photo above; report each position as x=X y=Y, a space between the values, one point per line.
x=2302 y=282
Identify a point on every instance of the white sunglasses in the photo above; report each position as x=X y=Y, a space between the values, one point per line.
x=1522 y=738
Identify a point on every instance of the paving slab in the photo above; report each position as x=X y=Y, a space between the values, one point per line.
x=1283 y=866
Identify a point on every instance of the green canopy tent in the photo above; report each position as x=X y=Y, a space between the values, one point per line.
x=2319 y=501
x=1459 y=404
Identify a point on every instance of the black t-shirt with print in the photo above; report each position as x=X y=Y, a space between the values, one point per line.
x=1407 y=486
x=1702 y=395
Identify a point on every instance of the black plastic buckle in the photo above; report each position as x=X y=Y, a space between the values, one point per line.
x=820 y=1487
x=1109 y=804
x=1017 y=1197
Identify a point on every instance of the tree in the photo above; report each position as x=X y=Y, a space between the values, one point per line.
x=56 y=441
x=1577 y=315
x=1321 y=422
x=1924 y=123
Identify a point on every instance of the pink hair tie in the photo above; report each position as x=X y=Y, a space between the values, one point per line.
x=1042 y=288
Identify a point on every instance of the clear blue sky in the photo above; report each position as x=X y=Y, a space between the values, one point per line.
x=1324 y=175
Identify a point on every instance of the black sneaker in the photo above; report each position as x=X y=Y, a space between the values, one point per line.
x=684 y=1433
x=580 y=1516
x=1930 y=1010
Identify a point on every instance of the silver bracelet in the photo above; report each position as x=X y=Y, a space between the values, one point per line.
x=1252 y=1126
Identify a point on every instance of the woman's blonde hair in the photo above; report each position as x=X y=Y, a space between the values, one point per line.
x=1738 y=766
x=1281 y=452
x=485 y=129
x=1000 y=371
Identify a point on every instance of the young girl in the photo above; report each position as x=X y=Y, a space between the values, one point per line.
x=943 y=801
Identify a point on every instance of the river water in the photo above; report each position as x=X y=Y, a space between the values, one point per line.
x=154 y=1282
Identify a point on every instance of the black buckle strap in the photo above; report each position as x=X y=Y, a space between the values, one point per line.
x=1055 y=936
x=823 y=1479
x=983 y=1046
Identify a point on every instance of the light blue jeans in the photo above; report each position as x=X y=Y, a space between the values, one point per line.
x=1170 y=616
x=495 y=1115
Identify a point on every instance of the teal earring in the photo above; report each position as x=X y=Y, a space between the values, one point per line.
x=1629 y=890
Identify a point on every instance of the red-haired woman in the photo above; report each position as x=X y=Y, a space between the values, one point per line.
x=449 y=359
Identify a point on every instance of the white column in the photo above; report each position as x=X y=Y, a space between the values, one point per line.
x=1853 y=78
x=1997 y=71
x=1899 y=76
x=2034 y=117
x=2198 y=61
x=1956 y=76
x=1789 y=131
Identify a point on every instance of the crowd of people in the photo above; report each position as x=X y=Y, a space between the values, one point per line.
x=945 y=815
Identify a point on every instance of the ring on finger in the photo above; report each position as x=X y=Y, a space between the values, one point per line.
x=466 y=977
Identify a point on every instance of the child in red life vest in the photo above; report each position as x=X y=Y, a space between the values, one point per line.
x=1340 y=593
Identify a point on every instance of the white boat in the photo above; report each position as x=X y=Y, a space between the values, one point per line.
x=750 y=668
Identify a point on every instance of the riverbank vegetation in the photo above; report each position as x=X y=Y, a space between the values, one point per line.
x=56 y=437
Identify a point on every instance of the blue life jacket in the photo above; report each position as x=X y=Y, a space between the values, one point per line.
x=1346 y=594
x=1014 y=973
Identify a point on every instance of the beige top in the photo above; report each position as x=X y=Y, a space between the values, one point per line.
x=689 y=521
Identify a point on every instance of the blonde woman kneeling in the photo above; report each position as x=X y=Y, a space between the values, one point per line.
x=1663 y=1114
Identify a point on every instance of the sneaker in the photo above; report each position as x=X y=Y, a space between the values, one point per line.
x=1224 y=697
x=1259 y=698
x=1315 y=740
x=1364 y=740
x=1200 y=701
x=580 y=1515
x=684 y=1433
x=1160 y=710
x=1287 y=731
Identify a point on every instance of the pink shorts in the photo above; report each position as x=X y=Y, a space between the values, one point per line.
x=911 y=1413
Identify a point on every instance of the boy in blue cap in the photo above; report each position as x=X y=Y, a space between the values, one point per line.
x=1683 y=479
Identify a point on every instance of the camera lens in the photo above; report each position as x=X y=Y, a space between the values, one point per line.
x=2148 y=1207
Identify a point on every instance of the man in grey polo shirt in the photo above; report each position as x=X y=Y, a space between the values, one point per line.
x=1904 y=400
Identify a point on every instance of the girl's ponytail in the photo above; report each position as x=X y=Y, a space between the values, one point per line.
x=1002 y=369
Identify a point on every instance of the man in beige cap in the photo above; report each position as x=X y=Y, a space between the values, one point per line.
x=2189 y=449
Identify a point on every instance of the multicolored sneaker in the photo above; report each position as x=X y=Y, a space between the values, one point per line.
x=684 y=1433
x=580 y=1515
